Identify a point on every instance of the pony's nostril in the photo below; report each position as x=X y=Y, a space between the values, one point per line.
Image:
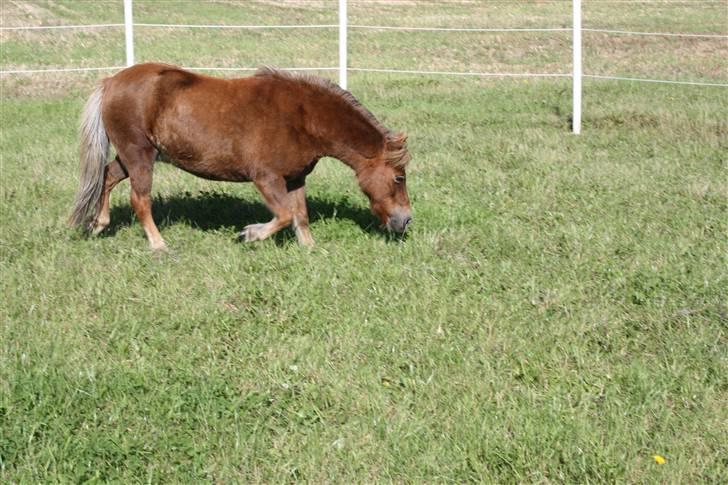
x=399 y=223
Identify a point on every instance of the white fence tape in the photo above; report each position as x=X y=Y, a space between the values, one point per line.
x=450 y=29
x=52 y=27
x=250 y=27
x=363 y=27
x=61 y=69
x=662 y=34
x=343 y=67
x=663 y=81
x=458 y=73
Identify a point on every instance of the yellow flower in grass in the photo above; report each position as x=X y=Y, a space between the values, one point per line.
x=659 y=459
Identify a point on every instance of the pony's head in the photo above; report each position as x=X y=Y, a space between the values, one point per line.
x=385 y=183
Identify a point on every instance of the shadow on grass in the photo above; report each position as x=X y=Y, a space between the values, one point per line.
x=210 y=211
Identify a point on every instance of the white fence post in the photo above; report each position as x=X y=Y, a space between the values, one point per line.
x=129 y=33
x=342 y=44
x=576 y=79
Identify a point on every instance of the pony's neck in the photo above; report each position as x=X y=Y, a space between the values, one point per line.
x=356 y=143
x=356 y=160
x=346 y=132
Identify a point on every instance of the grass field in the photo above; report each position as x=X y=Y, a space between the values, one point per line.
x=558 y=313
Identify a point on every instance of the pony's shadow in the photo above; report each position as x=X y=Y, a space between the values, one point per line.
x=212 y=211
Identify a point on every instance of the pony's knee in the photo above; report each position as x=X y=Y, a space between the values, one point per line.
x=284 y=220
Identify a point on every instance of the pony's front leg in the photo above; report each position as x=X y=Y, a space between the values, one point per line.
x=300 y=216
x=277 y=199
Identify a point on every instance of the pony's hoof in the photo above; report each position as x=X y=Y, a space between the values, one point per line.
x=96 y=229
x=159 y=248
x=252 y=233
x=306 y=242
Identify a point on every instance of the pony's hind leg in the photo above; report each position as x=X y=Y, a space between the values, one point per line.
x=113 y=174
x=139 y=163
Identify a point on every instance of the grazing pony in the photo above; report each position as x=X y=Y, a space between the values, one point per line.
x=270 y=129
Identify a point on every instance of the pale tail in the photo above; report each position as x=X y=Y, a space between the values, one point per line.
x=94 y=156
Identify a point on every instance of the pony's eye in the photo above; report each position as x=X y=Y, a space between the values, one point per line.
x=398 y=179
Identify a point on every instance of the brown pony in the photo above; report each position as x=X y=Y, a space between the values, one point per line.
x=270 y=129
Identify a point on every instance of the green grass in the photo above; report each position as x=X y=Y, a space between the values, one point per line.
x=557 y=314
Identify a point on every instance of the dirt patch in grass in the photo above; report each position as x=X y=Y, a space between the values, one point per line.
x=49 y=85
x=17 y=13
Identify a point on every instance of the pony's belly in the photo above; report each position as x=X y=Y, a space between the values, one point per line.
x=207 y=169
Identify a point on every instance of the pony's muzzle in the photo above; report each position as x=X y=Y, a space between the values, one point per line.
x=399 y=221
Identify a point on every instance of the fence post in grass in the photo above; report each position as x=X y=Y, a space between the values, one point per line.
x=129 y=33
x=576 y=78
x=342 y=43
